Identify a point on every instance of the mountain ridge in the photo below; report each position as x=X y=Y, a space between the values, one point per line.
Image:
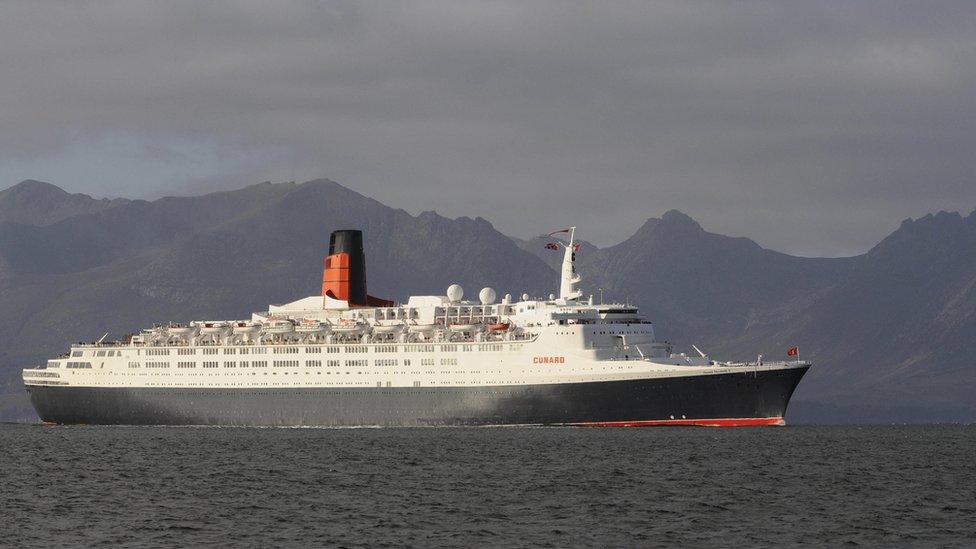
x=119 y=265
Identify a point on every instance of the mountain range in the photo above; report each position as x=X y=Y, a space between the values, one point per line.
x=892 y=332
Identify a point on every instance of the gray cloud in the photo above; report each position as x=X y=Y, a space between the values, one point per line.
x=810 y=127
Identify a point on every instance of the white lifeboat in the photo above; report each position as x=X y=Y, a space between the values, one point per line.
x=387 y=328
x=246 y=328
x=182 y=331
x=464 y=327
x=279 y=326
x=422 y=328
x=311 y=327
x=347 y=327
x=214 y=328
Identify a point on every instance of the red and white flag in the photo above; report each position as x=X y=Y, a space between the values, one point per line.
x=793 y=351
x=552 y=246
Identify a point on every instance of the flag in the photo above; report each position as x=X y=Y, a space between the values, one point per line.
x=552 y=246
x=559 y=231
x=576 y=247
x=793 y=351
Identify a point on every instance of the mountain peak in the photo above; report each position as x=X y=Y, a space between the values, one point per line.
x=922 y=233
x=672 y=220
x=33 y=187
x=37 y=203
x=675 y=217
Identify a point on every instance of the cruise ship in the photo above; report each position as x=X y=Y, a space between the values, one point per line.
x=345 y=358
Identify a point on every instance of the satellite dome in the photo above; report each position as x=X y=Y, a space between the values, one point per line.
x=454 y=293
x=552 y=297
x=507 y=299
x=487 y=296
x=525 y=297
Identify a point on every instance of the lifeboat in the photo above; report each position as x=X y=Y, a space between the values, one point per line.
x=246 y=328
x=421 y=328
x=387 y=328
x=279 y=326
x=182 y=331
x=214 y=328
x=311 y=327
x=348 y=327
x=464 y=327
x=499 y=327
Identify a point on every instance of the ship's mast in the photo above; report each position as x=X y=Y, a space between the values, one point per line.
x=567 y=286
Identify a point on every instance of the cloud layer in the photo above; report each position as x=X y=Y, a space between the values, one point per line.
x=812 y=127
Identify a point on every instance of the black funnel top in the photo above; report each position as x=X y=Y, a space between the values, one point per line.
x=350 y=241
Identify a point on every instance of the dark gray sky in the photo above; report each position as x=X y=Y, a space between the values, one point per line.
x=812 y=127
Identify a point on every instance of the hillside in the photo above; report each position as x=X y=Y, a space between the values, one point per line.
x=224 y=255
x=891 y=332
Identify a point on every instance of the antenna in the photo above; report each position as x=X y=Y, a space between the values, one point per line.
x=568 y=275
x=101 y=339
x=703 y=355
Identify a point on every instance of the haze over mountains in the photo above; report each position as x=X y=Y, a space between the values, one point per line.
x=892 y=332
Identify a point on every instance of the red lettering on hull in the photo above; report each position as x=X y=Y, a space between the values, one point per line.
x=717 y=422
x=548 y=360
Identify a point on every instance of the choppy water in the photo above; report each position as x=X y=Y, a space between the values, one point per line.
x=549 y=487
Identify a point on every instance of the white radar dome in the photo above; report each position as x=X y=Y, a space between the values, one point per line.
x=552 y=297
x=507 y=299
x=487 y=296
x=525 y=297
x=454 y=293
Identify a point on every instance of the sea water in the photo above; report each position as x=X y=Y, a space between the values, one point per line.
x=491 y=487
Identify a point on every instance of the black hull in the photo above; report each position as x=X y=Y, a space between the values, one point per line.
x=751 y=398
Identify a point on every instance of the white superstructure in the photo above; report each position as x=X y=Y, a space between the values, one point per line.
x=429 y=341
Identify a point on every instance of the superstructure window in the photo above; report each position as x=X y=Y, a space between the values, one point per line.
x=419 y=348
x=284 y=350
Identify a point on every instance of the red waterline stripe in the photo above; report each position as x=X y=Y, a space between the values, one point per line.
x=718 y=422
